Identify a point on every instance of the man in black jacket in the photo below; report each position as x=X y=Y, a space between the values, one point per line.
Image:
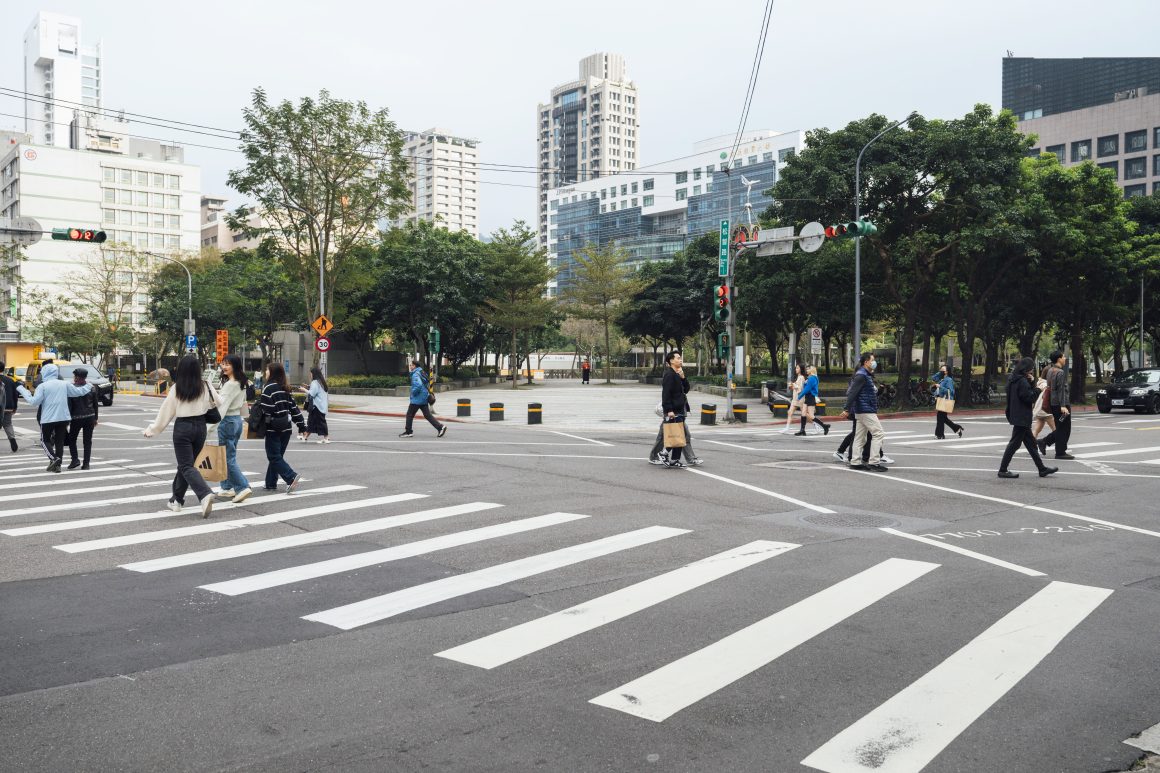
x=1060 y=407
x=674 y=404
x=1021 y=395
x=657 y=455
x=83 y=411
x=7 y=405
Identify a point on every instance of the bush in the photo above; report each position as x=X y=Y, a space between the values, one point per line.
x=368 y=382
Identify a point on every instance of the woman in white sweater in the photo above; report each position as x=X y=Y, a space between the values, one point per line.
x=229 y=431
x=186 y=405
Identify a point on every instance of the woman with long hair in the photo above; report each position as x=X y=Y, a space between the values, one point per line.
x=795 y=402
x=229 y=431
x=186 y=405
x=809 y=397
x=1041 y=411
x=281 y=415
x=318 y=401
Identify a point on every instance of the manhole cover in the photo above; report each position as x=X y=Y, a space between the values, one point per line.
x=793 y=465
x=849 y=520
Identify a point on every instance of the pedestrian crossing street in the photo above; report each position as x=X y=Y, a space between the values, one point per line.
x=905 y=733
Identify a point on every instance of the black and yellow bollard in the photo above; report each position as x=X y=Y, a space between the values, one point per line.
x=708 y=413
x=780 y=410
x=496 y=412
x=820 y=408
x=462 y=407
x=535 y=413
x=741 y=413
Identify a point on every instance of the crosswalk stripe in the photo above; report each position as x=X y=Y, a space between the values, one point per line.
x=85 y=523
x=1120 y=452
x=62 y=495
x=949 y=442
x=67 y=506
x=293 y=574
x=323 y=535
x=520 y=640
x=27 y=472
x=997 y=443
x=24 y=431
x=71 y=479
x=115 y=425
x=663 y=692
x=208 y=528
x=390 y=604
x=30 y=464
x=909 y=730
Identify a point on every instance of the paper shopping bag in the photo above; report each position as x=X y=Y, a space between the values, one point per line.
x=674 y=434
x=211 y=463
x=944 y=404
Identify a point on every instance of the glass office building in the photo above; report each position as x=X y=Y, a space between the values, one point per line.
x=1035 y=88
x=728 y=197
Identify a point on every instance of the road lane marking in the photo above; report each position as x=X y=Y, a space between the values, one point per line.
x=323 y=535
x=577 y=437
x=661 y=693
x=115 y=425
x=908 y=731
x=70 y=479
x=732 y=445
x=965 y=552
x=391 y=604
x=1120 y=452
x=521 y=640
x=766 y=492
x=294 y=574
x=62 y=495
x=949 y=442
x=84 y=523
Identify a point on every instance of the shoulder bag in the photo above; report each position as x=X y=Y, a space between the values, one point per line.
x=430 y=394
x=213 y=415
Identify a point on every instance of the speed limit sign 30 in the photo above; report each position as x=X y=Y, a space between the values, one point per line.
x=322 y=344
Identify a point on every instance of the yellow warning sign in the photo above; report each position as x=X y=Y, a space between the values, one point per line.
x=322 y=325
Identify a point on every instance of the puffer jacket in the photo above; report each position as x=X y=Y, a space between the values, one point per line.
x=52 y=396
x=419 y=390
x=862 y=396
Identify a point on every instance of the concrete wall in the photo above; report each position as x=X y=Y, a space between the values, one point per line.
x=343 y=359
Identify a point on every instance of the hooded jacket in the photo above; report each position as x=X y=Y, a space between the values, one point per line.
x=52 y=395
x=84 y=407
x=419 y=387
x=1020 y=397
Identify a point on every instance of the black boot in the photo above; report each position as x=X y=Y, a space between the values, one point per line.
x=12 y=441
x=801 y=431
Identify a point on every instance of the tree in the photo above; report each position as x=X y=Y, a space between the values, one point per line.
x=601 y=283
x=517 y=275
x=323 y=174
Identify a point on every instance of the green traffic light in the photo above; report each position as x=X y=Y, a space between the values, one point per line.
x=861 y=228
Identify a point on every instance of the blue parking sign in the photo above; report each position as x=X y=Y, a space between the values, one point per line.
x=191 y=342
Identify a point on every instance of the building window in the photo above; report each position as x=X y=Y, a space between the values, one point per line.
x=126 y=177
x=173 y=242
x=682 y=194
x=110 y=196
x=174 y=221
x=624 y=190
x=766 y=156
x=111 y=216
x=603 y=207
x=785 y=154
x=141 y=199
x=612 y=207
x=157 y=240
x=158 y=180
x=682 y=177
x=158 y=220
x=696 y=190
x=1132 y=191
x=648 y=184
x=697 y=174
x=1156 y=165
x=648 y=200
x=142 y=178
x=634 y=202
x=1136 y=141
x=1114 y=166
x=1058 y=151
x=110 y=174
x=1135 y=168
x=1108 y=146
x=751 y=160
x=635 y=187
x=173 y=202
x=1081 y=151
x=553 y=204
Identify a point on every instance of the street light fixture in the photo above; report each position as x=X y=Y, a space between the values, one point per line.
x=858 y=240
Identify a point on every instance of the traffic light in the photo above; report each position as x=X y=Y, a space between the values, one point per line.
x=836 y=231
x=722 y=345
x=851 y=230
x=433 y=340
x=722 y=312
x=78 y=235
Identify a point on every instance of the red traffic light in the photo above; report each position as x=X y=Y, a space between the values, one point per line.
x=722 y=296
x=836 y=231
x=79 y=235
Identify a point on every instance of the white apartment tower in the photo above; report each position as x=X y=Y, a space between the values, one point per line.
x=590 y=128
x=60 y=77
x=445 y=186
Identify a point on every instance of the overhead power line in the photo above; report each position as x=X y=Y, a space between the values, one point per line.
x=754 y=70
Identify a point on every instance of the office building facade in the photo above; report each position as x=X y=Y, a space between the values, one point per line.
x=62 y=78
x=445 y=183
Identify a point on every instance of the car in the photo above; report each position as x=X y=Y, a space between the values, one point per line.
x=100 y=383
x=1136 y=389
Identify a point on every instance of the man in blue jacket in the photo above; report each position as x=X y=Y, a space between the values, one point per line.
x=420 y=393
x=52 y=397
x=862 y=399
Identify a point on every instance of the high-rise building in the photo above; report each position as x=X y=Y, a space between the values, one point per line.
x=61 y=77
x=445 y=185
x=589 y=129
x=1103 y=110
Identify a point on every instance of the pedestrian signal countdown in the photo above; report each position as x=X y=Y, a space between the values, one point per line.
x=851 y=230
x=78 y=235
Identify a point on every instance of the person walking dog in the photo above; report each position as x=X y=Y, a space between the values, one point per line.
x=421 y=400
x=51 y=399
x=1021 y=395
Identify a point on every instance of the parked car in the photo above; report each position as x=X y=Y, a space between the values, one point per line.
x=1136 y=389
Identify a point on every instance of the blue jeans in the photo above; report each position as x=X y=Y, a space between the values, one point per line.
x=276 y=443
x=229 y=433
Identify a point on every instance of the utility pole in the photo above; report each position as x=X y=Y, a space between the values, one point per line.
x=1141 y=321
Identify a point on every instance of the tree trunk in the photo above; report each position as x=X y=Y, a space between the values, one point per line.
x=1099 y=366
x=926 y=368
x=906 y=343
x=826 y=337
x=991 y=365
x=607 y=348
x=1078 y=367
x=515 y=374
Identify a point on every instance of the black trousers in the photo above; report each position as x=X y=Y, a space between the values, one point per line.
x=52 y=438
x=1062 y=432
x=944 y=420
x=188 y=440
x=83 y=428
x=412 y=409
x=1021 y=436
x=586 y=374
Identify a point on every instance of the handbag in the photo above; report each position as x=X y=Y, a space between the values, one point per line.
x=213 y=415
x=944 y=404
x=430 y=394
x=674 y=432
x=1043 y=399
x=660 y=410
x=258 y=421
x=211 y=463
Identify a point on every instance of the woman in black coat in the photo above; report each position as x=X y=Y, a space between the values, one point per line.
x=1021 y=394
x=674 y=404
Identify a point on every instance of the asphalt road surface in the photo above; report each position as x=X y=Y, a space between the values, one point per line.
x=512 y=598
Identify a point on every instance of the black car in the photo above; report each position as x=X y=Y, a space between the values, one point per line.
x=1136 y=389
x=100 y=383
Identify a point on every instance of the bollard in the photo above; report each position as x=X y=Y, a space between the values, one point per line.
x=708 y=413
x=820 y=408
x=535 y=413
x=780 y=410
x=496 y=412
x=462 y=407
x=741 y=413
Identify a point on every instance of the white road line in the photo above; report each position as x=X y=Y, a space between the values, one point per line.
x=208 y=528
x=663 y=692
x=907 y=732
x=390 y=604
x=577 y=437
x=521 y=640
x=25 y=432
x=71 y=479
x=67 y=506
x=1120 y=452
x=949 y=442
x=767 y=492
x=323 y=535
x=998 y=443
x=27 y=472
x=115 y=425
x=733 y=445
x=1151 y=461
x=84 y=523
x=62 y=495
x=965 y=552
x=294 y=574
x=28 y=464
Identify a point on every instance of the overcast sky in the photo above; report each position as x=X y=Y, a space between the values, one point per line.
x=478 y=68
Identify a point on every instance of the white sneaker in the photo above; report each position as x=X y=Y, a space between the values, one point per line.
x=323 y=442
x=293 y=484
x=241 y=496
x=224 y=493
x=886 y=460
x=839 y=457
x=696 y=462
x=302 y=437
x=206 y=505
x=174 y=505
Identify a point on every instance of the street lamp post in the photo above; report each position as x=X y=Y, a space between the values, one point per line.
x=322 y=244
x=858 y=239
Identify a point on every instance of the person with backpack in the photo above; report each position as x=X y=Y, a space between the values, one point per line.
x=318 y=405
x=229 y=429
x=421 y=400
x=8 y=406
x=191 y=404
x=51 y=400
x=281 y=415
x=83 y=412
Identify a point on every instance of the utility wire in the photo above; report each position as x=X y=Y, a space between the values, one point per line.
x=754 y=70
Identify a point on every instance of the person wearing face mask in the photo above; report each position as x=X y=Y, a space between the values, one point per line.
x=862 y=399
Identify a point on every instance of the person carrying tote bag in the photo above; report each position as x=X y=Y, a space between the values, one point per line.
x=675 y=406
x=944 y=405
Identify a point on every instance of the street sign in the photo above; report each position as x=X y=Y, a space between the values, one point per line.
x=191 y=343
x=222 y=344
x=815 y=340
x=20 y=230
x=723 y=250
x=322 y=325
x=779 y=242
x=322 y=344
x=812 y=236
